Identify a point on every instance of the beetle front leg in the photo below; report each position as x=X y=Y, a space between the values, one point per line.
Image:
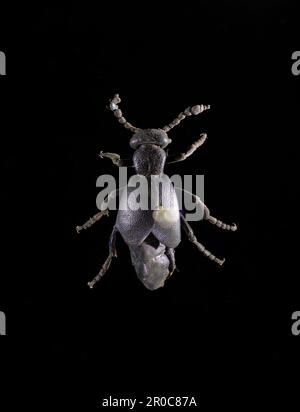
x=182 y=156
x=192 y=238
x=115 y=158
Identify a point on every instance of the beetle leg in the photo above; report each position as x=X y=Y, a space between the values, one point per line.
x=102 y=271
x=170 y=253
x=112 y=242
x=206 y=213
x=182 y=156
x=92 y=220
x=106 y=264
x=192 y=238
x=116 y=159
x=104 y=207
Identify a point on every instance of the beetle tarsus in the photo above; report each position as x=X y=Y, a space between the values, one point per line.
x=92 y=220
x=114 y=157
x=192 y=238
x=172 y=271
x=220 y=262
x=106 y=264
x=102 y=272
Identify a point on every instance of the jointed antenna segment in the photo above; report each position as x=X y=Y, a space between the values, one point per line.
x=113 y=106
x=195 y=110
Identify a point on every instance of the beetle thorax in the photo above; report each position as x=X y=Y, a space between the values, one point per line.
x=149 y=160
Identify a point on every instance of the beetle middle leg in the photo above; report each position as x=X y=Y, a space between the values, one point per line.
x=206 y=213
x=104 y=208
x=192 y=238
x=106 y=264
x=92 y=220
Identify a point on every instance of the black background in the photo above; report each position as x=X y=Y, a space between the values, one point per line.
x=223 y=335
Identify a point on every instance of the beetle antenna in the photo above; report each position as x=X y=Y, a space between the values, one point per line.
x=113 y=106
x=187 y=112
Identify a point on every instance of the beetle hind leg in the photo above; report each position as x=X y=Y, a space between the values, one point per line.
x=170 y=253
x=106 y=264
x=192 y=238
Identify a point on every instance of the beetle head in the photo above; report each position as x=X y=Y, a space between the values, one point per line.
x=150 y=136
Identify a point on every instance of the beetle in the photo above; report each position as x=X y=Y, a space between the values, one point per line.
x=152 y=235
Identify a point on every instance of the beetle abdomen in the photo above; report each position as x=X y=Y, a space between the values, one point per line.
x=150 y=263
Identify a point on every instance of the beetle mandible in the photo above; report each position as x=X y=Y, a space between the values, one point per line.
x=153 y=234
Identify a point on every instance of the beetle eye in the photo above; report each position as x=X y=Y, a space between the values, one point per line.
x=134 y=141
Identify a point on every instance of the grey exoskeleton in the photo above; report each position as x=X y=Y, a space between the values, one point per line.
x=153 y=234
